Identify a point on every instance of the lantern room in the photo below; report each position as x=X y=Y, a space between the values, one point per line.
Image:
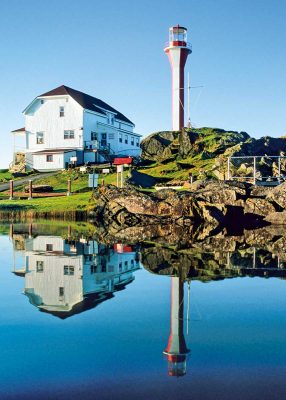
x=177 y=36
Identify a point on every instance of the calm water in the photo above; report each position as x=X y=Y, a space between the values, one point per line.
x=82 y=319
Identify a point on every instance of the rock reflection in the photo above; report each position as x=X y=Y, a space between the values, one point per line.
x=64 y=277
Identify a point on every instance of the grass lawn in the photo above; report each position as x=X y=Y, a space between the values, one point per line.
x=79 y=201
x=75 y=202
x=6 y=176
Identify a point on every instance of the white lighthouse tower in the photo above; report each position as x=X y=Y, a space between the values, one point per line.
x=178 y=50
x=177 y=350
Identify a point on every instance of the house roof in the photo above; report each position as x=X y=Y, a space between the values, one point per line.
x=122 y=160
x=19 y=130
x=54 y=151
x=86 y=101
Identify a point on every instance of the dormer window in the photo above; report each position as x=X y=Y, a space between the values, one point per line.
x=42 y=101
x=62 y=111
x=110 y=119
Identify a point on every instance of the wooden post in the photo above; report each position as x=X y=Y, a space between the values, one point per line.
x=279 y=170
x=228 y=169
x=11 y=189
x=30 y=230
x=69 y=188
x=69 y=232
x=254 y=170
x=30 y=190
x=11 y=231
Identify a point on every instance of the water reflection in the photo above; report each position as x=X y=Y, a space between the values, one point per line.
x=176 y=350
x=64 y=277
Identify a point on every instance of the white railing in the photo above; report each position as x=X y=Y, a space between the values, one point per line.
x=258 y=169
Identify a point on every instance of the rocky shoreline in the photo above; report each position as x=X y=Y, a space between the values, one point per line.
x=216 y=204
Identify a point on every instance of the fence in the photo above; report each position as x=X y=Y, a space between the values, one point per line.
x=269 y=170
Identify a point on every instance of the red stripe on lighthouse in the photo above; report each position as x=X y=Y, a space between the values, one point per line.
x=183 y=58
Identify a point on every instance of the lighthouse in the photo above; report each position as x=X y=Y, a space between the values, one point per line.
x=178 y=50
x=176 y=350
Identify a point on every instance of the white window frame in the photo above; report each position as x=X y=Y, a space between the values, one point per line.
x=68 y=270
x=40 y=137
x=49 y=155
x=69 y=134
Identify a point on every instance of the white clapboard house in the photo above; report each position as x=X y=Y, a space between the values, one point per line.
x=65 y=277
x=66 y=126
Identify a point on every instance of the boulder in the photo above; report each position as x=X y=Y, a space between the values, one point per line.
x=278 y=196
x=276 y=218
x=154 y=145
x=258 y=206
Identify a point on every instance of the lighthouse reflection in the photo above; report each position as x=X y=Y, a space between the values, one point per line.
x=65 y=277
x=177 y=350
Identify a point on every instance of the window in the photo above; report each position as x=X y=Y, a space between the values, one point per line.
x=137 y=142
x=68 y=270
x=93 y=135
x=68 y=134
x=103 y=265
x=132 y=262
x=126 y=264
x=112 y=119
x=40 y=137
x=61 y=291
x=49 y=158
x=126 y=139
x=42 y=101
x=40 y=266
x=120 y=267
x=62 y=111
x=49 y=247
x=103 y=139
x=93 y=269
x=132 y=140
x=120 y=138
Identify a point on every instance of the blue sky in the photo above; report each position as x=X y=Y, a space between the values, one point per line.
x=114 y=51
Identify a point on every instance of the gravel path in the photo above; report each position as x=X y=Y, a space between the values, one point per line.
x=19 y=182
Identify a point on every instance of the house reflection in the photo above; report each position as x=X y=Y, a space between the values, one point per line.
x=65 y=277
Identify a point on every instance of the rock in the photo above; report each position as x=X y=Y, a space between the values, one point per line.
x=232 y=205
x=278 y=196
x=258 y=206
x=40 y=189
x=265 y=145
x=154 y=145
x=276 y=218
x=196 y=185
x=187 y=138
